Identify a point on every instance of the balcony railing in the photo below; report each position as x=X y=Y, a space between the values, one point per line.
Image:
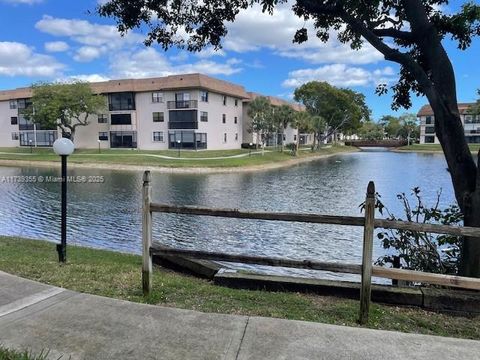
x=176 y=125
x=183 y=104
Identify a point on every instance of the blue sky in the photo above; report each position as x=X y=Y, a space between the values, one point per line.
x=59 y=40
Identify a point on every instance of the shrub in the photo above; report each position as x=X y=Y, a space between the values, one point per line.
x=421 y=251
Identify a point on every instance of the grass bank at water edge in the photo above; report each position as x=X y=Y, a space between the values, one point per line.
x=118 y=276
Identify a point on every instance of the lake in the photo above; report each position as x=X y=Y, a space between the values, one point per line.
x=107 y=215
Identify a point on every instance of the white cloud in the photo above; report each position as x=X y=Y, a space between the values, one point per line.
x=87 y=53
x=96 y=39
x=90 y=77
x=17 y=59
x=340 y=75
x=149 y=63
x=56 y=46
x=254 y=30
x=210 y=52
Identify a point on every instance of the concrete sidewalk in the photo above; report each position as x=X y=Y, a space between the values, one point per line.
x=39 y=317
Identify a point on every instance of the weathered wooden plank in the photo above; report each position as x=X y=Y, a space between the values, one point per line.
x=146 y=235
x=260 y=260
x=429 y=278
x=431 y=228
x=235 y=213
x=366 y=286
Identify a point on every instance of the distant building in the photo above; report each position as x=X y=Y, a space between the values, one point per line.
x=471 y=124
x=191 y=111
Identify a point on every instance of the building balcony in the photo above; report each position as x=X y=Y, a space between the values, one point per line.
x=183 y=104
x=182 y=125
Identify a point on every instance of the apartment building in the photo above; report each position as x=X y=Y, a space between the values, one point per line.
x=191 y=111
x=471 y=124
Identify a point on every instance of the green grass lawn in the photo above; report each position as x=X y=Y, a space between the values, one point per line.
x=139 y=157
x=434 y=147
x=118 y=276
x=8 y=354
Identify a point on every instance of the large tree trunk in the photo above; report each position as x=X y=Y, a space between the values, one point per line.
x=440 y=89
x=465 y=178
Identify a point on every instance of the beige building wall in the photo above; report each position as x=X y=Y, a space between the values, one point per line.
x=215 y=129
x=145 y=109
x=6 y=128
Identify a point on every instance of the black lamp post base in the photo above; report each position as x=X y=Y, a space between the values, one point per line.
x=62 y=253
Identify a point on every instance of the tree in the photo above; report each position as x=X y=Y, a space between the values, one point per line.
x=318 y=127
x=371 y=131
x=410 y=129
x=391 y=124
x=260 y=111
x=283 y=116
x=407 y=32
x=303 y=122
x=62 y=105
x=340 y=109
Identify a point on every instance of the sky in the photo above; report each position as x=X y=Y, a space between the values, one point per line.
x=58 y=40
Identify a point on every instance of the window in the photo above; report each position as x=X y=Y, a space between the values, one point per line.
x=204 y=116
x=14 y=120
x=224 y=137
x=121 y=119
x=13 y=104
x=102 y=118
x=204 y=96
x=121 y=101
x=123 y=139
x=157 y=97
x=14 y=136
x=429 y=130
x=224 y=118
x=429 y=120
x=224 y=99
x=158 y=136
x=468 y=119
x=23 y=103
x=235 y=120
x=236 y=102
x=236 y=136
x=103 y=136
x=429 y=139
x=294 y=137
x=183 y=119
x=158 y=117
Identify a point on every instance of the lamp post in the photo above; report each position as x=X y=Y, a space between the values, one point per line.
x=31 y=148
x=250 y=149
x=99 y=142
x=178 y=145
x=63 y=147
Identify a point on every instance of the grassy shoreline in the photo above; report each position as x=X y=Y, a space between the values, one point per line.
x=432 y=148
x=190 y=162
x=118 y=275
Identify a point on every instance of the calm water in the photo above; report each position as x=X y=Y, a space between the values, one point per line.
x=108 y=215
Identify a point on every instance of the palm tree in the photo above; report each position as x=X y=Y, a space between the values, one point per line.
x=302 y=121
x=284 y=116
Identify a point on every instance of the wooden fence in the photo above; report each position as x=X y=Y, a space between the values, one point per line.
x=366 y=269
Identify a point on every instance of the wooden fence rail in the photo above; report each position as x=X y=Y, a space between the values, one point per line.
x=366 y=269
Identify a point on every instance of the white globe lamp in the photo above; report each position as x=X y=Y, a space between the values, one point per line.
x=63 y=147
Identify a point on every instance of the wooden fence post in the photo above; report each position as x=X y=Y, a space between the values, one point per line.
x=366 y=286
x=147 y=234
